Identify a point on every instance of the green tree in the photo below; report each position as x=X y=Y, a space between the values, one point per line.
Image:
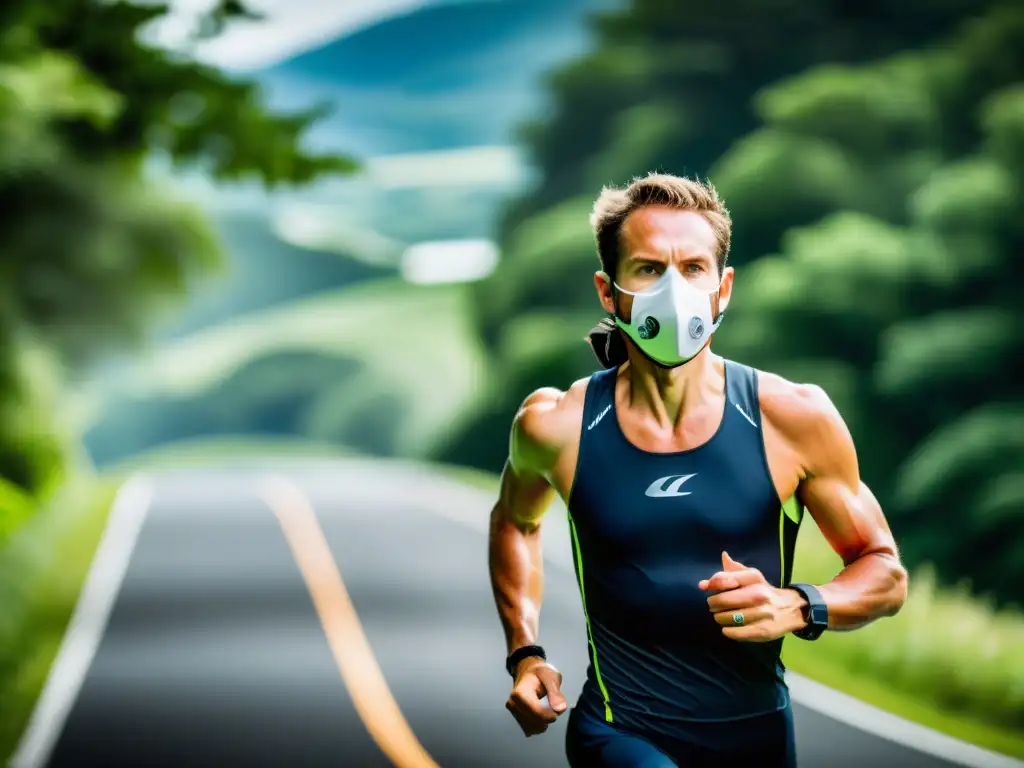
x=671 y=90
x=93 y=250
x=901 y=300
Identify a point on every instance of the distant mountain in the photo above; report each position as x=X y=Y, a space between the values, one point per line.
x=263 y=271
x=443 y=76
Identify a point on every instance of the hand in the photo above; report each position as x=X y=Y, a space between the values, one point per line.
x=768 y=612
x=536 y=679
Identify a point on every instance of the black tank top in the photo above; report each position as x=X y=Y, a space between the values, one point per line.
x=646 y=528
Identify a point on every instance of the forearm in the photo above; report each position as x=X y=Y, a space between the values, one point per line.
x=871 y=587
x=517 y=578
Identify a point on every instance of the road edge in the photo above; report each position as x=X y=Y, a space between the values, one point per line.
x=87 y=623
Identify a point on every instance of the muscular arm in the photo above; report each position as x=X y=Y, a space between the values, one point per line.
x=515 y=559
x=873 y=582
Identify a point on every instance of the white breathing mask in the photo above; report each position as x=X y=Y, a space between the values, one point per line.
x=671 y=320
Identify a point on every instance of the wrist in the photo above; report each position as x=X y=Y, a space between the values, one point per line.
x=796 y=608
x=814 y=615
x=526 y=664
x=522 y=658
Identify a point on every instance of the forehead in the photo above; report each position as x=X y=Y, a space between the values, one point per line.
x=660 y=229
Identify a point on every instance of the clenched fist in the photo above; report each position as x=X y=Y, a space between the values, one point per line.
x=748 y=608
x=536 y=679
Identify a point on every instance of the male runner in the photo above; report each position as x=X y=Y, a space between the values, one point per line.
x=674 y=464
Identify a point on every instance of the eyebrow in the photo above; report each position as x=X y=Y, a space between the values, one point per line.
x=656 y=258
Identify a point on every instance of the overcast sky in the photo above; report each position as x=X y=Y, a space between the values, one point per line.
x=291 y=26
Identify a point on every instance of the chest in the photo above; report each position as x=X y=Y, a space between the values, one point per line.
x=642 y=507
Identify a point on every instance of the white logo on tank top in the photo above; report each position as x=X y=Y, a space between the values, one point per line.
x=600 y=416
x=656 y=491
x=745 y=415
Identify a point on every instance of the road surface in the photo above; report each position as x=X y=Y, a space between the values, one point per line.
x=221 y=622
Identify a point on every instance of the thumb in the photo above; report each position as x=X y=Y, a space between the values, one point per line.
x=552 y=681
x=731 y=565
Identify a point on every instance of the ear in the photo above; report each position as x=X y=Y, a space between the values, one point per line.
x=603 y=283
x=725 y=289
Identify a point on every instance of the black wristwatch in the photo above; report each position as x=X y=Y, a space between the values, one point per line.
x=512 y=662
x=815 y=612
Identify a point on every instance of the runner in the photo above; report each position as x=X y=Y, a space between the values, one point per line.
x=674 y=464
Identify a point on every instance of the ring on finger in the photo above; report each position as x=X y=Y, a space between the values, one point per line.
x=737 y=618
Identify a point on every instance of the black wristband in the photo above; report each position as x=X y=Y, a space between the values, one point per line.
x=815 y=613
x=512 y=662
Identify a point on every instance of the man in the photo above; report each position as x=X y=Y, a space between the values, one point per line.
x=674 y=465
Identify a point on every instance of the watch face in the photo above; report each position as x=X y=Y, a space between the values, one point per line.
x=819 y=615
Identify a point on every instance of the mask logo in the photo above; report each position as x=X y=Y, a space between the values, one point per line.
x=649 y=329
x=696 y=327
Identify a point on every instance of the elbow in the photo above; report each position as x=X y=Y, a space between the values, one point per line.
x=898 y=588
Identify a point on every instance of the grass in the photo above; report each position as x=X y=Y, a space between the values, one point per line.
x=203 y=452
x=42 y=568
x=390 y=326
x=947 y=661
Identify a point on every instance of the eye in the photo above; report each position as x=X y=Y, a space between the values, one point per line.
x=648 y=269
x=694 y=268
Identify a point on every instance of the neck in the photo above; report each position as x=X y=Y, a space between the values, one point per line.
x=669 y=392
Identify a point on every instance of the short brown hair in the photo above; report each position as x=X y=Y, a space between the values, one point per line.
x=614 y=205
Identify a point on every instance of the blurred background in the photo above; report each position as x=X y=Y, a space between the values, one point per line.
x=361 y=229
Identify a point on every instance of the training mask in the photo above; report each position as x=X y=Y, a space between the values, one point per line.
x=671 y=320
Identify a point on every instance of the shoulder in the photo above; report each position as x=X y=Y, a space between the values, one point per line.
x=547 y=421
x=807 y=419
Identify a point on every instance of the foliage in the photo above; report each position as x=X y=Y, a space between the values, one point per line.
x=671 y=90
x=382 y=367
x=877 y=208
x=908 y=302
x=42 y=568
x=93 y=251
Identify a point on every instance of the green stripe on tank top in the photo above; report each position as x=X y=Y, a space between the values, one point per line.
x=794 y=511
x=586 y=617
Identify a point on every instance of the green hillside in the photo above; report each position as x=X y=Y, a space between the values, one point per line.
x=384 y=367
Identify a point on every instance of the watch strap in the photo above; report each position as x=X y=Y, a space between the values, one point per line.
x=523 y=652
x=815 y=613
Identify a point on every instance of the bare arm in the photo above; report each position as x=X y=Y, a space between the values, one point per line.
x=874 y=583
x=515 y=558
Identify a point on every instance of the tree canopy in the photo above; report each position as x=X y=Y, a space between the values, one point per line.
x=875 y=186
x=94 y=248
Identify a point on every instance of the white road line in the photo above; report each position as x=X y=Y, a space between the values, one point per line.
x=856 y=713
x=87 y=624
x=469 y=506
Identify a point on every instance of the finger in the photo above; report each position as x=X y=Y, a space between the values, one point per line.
x=728 y=564
x=528 y=725
x=734 y=599
x=531 y=721
x=551 y=684
x=759 y=632
x=724 y=580
x=747 y=617
x=529 y=704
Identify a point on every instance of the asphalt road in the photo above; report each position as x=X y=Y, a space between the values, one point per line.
x=213 y=652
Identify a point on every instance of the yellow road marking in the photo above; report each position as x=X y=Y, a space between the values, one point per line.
x=352 y=653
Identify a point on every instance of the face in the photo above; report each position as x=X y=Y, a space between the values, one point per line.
x=654 y=237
